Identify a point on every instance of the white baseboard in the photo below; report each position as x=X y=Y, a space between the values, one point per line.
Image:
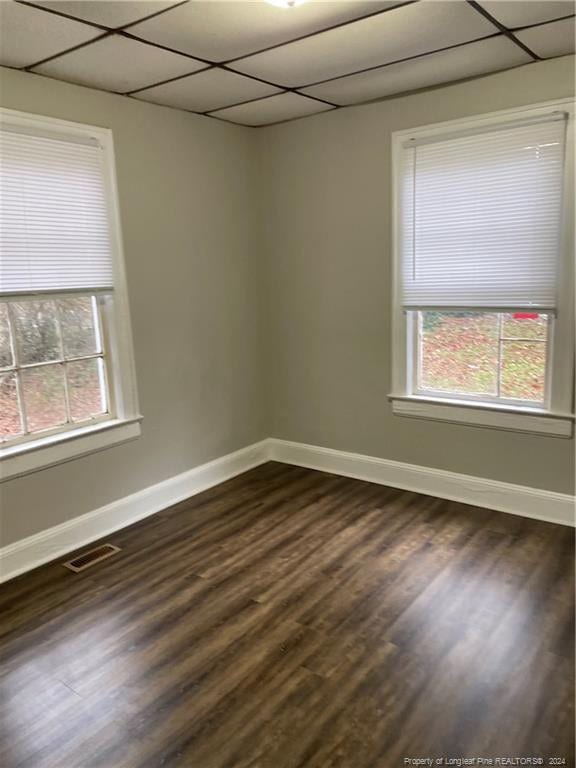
x=29 y=553
x=55 y=542
x=477 y=491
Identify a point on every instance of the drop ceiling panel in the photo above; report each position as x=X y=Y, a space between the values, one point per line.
x=109 y=13
x=207 y=90
x=397 y=34
x=30 y=35
x=522 y=13
x=118 y=64
x=555 y=39
x=219 y=31
x=474 y=59
x=404 y=36
x=286 y=106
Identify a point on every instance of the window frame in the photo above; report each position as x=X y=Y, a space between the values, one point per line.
x=122 y=423
x=555 y=416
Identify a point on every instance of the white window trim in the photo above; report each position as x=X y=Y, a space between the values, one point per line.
x=124 y=421
x=483 y=415
x=558 y=416
x=55 y=449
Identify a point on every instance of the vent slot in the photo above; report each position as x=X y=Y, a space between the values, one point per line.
x=93 y=556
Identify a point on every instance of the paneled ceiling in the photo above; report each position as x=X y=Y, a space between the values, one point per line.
x=255 y=63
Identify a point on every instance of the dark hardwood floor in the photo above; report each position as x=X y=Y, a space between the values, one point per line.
x=290 y=619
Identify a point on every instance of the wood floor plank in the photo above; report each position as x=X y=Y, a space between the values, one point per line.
x=294 y=619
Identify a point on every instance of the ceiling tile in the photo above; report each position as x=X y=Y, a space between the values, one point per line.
x=555 y=39
x=402 y=32
x=521 y=13
x=109 y=13
x=119 y=64
x=30 y=35
x=207 y=90
x=219 y=31
x=283 y=107
x=466 y=61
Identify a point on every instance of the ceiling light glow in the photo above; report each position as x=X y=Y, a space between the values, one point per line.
x=285 y=3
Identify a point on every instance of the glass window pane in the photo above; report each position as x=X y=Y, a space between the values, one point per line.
x=86 y=389
x=459 y=352
x=44 y=396
x=525 y=325
x=10 y=422
x=78 y=326
x=5 y=346
x=36 y=331
x=523 y=373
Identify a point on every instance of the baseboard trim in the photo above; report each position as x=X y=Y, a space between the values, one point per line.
x=29 y=553
x=503 y=497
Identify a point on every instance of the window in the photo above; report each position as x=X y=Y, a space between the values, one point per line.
x=53 y=367
x=489 y=356
x=483 y=313
x=66 y=368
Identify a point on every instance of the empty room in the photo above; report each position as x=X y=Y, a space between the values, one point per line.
x=287 y=383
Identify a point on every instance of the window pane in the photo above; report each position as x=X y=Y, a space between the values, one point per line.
x=44 y=397
x=10 y=422
x=525 y=325
x=459 y=352
x=5 y=346
x=78 y=326
x=523 y=370
x=86 y=389
x=36 y=331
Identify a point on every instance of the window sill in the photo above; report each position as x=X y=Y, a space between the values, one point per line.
x=483 y=415
x=45 y=452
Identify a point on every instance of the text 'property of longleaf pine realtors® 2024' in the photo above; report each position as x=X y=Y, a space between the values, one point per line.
x=482 y=761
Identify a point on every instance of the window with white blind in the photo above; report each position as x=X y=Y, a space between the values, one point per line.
x=66 y=368
x=483 y=257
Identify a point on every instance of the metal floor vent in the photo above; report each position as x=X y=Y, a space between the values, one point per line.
x=91 y=557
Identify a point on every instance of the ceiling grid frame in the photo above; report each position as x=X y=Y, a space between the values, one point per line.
x=122 y=31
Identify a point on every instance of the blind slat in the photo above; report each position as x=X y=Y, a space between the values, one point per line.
x=481 y=218
x=54 y=228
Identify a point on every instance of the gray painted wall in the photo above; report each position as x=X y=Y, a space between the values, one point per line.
x=258 y=268
x=328 y=243
x=186 y=187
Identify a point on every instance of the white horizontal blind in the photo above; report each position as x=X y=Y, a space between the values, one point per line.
x=54 y=229
x=481 y=218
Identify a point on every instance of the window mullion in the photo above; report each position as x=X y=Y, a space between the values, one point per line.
x=63 y=362
x=21 y=403
x=97 y=320
x=500 y=344
x=44 y=363
x=16 y=357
